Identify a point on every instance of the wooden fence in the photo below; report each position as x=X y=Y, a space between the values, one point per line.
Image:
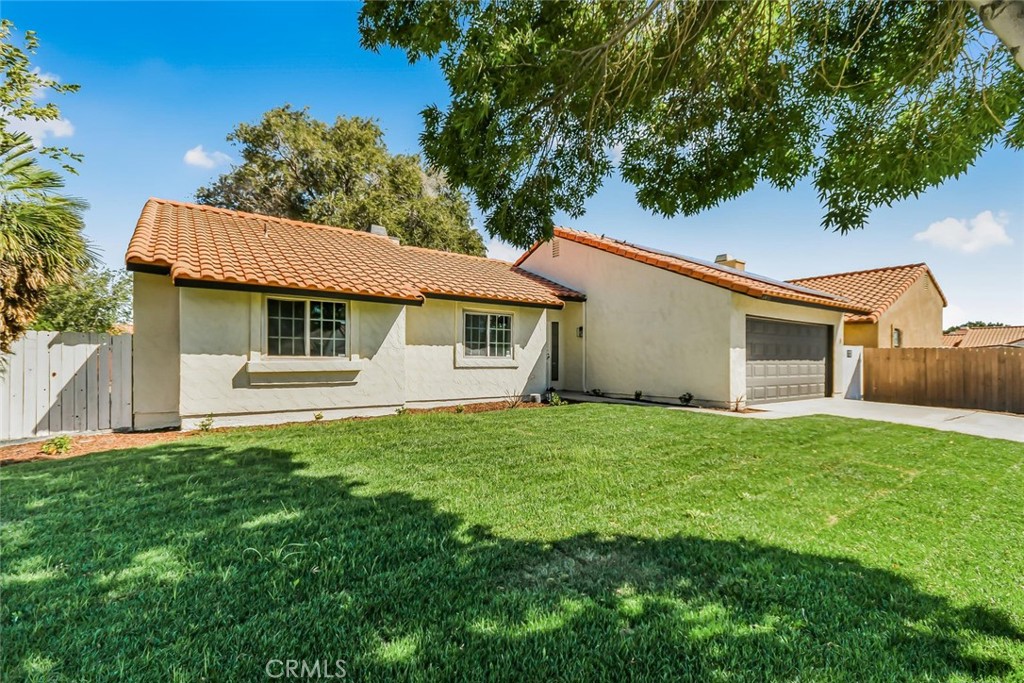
x=56 y=382
x=990 y=378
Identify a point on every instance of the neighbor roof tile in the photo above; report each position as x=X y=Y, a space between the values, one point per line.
x=876 y=289
x=991 y=336
x=197 y=244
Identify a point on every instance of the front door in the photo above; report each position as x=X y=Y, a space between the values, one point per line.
x=553 y=353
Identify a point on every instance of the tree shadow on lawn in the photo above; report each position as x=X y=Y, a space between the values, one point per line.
x=192 y=561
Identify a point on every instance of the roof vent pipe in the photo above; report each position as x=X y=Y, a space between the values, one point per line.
x=379 y=230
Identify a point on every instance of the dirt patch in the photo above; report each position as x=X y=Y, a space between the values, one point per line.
x=476 y=408
x=83 y=445
x=94 y=443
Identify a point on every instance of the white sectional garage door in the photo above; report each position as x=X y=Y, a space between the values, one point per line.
x=786 y=361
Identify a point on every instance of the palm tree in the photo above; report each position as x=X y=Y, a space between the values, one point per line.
x=41 y=240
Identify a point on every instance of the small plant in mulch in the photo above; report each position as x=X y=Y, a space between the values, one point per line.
x=686 y=399
x=318 y=416
x=596 y=392
x=555 y=400
x=460 y=409
x=402 y=410
x=638 y=395
x=57 y=445
x=206 y=424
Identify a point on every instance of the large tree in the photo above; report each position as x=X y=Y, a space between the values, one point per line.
x=295 y=166
x=696 y=101
x=41 y=240
x=96 y=301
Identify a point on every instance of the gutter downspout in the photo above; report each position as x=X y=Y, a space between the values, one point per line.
x=586 y=333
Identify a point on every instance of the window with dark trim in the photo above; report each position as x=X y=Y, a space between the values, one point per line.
x=897 y=338
x=487 y=335
x=306 y=328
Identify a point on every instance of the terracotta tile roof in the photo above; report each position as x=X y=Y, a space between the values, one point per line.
x=716 y=274
x=876 y=289
x=198 y=244
x=952 y=340
x=991 y=336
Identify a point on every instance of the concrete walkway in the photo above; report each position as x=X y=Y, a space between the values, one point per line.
x=973 y=422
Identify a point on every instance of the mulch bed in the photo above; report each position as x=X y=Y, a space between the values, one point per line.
x=95 y=443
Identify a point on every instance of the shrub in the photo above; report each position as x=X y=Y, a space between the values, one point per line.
x=402 y=410
x=555 y=400
x=686 y=399
x=318 y=416
x=206 y=424
x=460 y=409
x=58 y=444
x=596 y=392
x=638 y=395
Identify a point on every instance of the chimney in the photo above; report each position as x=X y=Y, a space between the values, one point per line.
x=730 y=262
x=381 y=231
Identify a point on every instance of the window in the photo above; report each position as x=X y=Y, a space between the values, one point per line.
x=897 y=338
x=488 y=335
x=305 y=328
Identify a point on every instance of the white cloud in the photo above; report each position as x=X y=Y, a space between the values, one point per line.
x=40 y=130
x=968 y=236
x=499 y=250
x=197 y=156
x=48 y=79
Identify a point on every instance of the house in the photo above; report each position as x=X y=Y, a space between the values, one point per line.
x=904 y=302
x=977 y=337
x=253 y=319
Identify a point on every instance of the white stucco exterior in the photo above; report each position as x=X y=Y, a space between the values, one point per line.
x=201 y=352
x=662 y=333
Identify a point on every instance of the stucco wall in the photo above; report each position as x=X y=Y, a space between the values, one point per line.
x=155 y=376
x=221 y=331
x=861 y=334
x=918 y=313
x=646 y=328
x=435 y=373
x=743 y=306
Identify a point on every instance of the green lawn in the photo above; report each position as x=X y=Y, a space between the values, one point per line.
x=579 y=543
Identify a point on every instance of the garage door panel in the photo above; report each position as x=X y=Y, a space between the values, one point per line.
x=785 y=361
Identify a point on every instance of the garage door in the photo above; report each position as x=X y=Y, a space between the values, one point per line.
x=785 y=361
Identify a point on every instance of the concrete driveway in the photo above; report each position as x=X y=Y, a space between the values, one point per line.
x=975 y=422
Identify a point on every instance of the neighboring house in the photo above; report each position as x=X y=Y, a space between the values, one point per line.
x=904 y=302
x=977 y=337
x=253 y=319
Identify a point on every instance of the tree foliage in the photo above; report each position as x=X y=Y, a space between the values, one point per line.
x=295 y=166
x=95 y=301
x=975 y=323
x=694 y=102
x=41 y=240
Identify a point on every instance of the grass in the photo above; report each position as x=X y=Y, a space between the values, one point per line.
x=579 y=543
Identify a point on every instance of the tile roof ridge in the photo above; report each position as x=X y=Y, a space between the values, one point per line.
x=258 y=216
x=861 y=272
x=413 y=247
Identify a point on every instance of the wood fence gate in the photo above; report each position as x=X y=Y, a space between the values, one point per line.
x=988 y=378
x=56 y=382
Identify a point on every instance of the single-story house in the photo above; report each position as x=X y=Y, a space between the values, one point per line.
x=977 y=337
x=905 y=305
x=253 y=319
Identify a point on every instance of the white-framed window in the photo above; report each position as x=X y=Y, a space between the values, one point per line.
x=487 y=335
x=306 y=327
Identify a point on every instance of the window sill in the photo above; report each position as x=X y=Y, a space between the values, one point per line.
x=258 y=367
x=473 y=362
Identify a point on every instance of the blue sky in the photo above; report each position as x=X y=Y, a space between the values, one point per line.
x=161 y=79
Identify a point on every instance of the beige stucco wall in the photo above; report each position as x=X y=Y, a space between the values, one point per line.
x=646 y=328
x=213 y=342
x=221 y=331
x=861 y=334
x=437 y=372
x=155 y=373
x=743 y=306
x=918 y=313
